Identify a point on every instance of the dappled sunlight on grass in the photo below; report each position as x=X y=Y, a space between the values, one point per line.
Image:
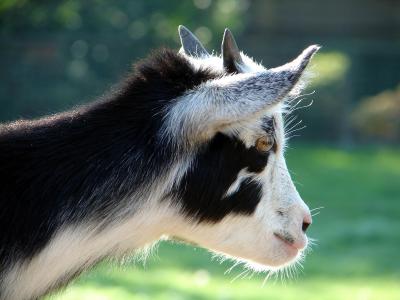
x=178 y=284
x=355 y=256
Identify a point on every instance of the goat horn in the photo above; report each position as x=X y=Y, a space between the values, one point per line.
x=230 y=52
x=190 y=43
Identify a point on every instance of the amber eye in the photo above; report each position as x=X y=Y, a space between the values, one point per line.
x=265 y=143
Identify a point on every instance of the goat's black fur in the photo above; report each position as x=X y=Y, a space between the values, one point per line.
x=215 y=168
x=74 y=166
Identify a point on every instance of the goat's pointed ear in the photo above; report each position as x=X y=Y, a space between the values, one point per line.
x=262 y=89
x=190 y=43
x=234 y=98
x=230 y=53
x=295 y=68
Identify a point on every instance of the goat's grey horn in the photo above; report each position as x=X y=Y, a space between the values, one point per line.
x=230 y=52
x=190 y=43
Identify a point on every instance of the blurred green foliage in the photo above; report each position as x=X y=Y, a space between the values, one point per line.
x=378 y=117
x=331 y=68
x=56 y=54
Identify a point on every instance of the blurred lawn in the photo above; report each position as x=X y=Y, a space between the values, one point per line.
x=357 y=254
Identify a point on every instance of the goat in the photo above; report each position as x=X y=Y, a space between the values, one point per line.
x=189 y=145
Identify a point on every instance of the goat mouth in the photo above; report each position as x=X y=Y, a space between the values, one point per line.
x=287 y=240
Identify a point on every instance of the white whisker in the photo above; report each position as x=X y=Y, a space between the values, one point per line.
x=315 y=214
x=243 y=273
x=296 y=129
x=232 y=267
x=293 y=126
x=292 y=136
x=317 y=208
x=304 y=106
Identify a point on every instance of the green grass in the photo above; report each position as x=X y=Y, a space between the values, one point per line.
x=357 y=254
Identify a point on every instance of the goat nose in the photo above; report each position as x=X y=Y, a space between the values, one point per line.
x=306 y=222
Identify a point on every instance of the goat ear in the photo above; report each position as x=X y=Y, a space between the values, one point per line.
x=230 y=53
x=190 y=43
x=225 y=101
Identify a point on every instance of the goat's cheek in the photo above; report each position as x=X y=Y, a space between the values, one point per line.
x=264 y=218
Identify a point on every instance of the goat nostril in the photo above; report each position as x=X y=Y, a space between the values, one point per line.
x=305 y=226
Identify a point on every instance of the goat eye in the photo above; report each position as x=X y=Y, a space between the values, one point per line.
x=265 y=143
